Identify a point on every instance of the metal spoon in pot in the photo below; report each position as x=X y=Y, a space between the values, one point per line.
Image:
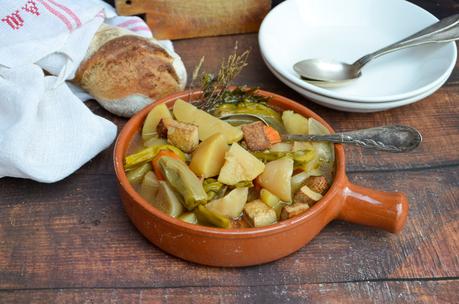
x=394 y=138
x=324 y=70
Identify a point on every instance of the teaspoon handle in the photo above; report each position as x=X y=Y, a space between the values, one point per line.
x=394 y=138
x=444 y=30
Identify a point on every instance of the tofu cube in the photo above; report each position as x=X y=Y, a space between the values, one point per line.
x=255 y=136
x=317 y=184
x=293 y=210
x=184 y=136
x=258 y=214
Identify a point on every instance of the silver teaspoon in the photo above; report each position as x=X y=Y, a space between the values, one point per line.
x=393 y=138
x=324 y=70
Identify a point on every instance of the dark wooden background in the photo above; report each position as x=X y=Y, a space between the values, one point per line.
x=72 y=242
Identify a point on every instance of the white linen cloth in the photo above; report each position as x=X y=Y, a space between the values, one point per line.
x=46 y=131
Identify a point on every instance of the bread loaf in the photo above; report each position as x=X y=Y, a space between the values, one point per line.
x=125 y=72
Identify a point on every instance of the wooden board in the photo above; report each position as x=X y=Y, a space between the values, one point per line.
x=176 y=19
x=71 y=242
x=399 y=292
x=76 y=234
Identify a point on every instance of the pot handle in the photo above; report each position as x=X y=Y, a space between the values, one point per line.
x=383 y=210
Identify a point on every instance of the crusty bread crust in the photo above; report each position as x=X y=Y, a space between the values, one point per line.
x=129 y=71
x=128 y=65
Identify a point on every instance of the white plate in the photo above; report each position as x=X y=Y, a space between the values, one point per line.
x=346 y=30
x=318 y=97
x=349 y=106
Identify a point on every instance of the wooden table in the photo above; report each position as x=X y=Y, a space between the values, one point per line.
x=72 y=242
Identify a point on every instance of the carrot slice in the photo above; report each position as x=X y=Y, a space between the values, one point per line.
x=272 y=135
x=297 y=171
x=155 y=162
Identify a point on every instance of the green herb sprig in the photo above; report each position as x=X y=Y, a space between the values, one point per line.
x=215 y=87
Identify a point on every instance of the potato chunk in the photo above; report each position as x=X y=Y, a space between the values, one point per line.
x=208 y=125
x=258 y=214
x=277 y=178
x=240 y=165
x=209 y=157
x=230 y=205
x=295 y=123
x=152 y=120
x=293 y=210
x=182 y=135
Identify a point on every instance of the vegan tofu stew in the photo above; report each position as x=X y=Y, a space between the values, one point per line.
x=228 y=168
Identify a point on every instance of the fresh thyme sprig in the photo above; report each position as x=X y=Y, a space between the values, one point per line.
x=196 y=71
x=215 y=87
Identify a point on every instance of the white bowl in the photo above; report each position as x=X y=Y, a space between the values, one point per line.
x=349 y=106
x=347 y=30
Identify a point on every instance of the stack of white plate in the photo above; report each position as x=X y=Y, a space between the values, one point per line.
x=345 y=31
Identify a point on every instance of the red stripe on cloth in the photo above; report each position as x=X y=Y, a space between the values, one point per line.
x=68 y=11
x=57 y=14
x=140 y=28
x=130 y=22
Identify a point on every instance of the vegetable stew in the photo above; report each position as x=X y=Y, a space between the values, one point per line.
x=229 y=168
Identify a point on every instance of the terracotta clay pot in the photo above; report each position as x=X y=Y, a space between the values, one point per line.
x=251 y=246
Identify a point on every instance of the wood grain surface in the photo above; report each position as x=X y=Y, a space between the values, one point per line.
x=75 y=234
x=177 y=19
x=426 y=292
x=71 y=242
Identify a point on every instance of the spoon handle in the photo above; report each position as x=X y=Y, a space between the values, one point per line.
x=394 y=138
x=444 y=30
